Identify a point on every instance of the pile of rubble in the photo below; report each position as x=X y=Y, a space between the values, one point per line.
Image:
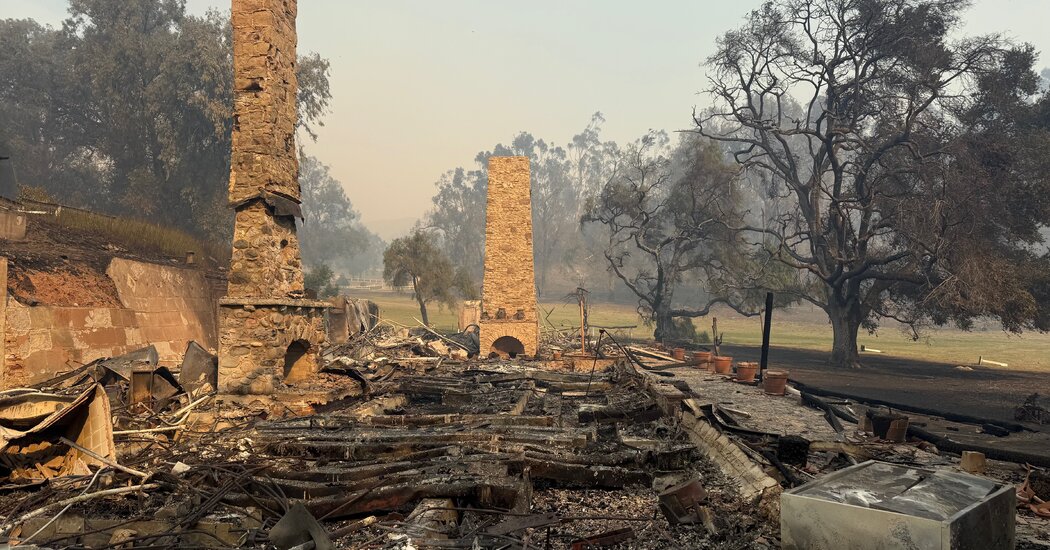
x=407 y=440
x=430 y=449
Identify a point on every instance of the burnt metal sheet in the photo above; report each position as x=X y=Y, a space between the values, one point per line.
x=199 y=366
x=281 y=205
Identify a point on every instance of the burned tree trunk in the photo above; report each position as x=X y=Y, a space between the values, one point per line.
x=845 y=323
x=664 y=324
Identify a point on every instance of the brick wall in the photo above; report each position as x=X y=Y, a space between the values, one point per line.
x=508 y=305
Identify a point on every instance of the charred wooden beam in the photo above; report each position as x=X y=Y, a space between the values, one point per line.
x=436 y=419
x=580 y=475
x=646 y=411
x=479 y=493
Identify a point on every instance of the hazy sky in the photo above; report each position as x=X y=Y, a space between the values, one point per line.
x=421 y=86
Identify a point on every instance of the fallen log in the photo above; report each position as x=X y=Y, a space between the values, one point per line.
x=829 y=411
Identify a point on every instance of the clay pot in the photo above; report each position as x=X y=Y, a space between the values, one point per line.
x=702 y=360
x=774 y=382
x=678 y=354
x=746 y=371
x=889 y=426
x=556 y=355
x=973 y=462
x=898 y=431
x=723 y=365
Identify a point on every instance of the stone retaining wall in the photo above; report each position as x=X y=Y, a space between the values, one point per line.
x=164 y=306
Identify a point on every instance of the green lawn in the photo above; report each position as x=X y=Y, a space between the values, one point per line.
x=796 y=328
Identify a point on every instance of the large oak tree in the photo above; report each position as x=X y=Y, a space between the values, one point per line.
x=416 y=259
x=910 y=164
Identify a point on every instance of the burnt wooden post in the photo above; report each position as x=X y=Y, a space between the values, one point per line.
x=581 y=297
x=767 y=325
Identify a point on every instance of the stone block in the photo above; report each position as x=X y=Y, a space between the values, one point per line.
x=40 y=318
x=39 y=340
x=40 y=365
x=98 y=318
x=103 y=337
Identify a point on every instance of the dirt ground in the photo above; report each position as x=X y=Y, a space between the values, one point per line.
x=983 y=392
x=59 y=267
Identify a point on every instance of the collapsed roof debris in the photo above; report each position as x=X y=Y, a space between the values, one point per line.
x=394 y=445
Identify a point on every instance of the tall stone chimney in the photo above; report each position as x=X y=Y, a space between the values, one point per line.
x=268 y=334
x=509 y=319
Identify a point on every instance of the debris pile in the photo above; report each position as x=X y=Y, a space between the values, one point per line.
x=430 y=450
x=406 y=439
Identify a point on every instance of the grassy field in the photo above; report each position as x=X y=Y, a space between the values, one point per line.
x=797 y=328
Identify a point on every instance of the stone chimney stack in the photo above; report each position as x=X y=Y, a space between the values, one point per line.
x=509 y=318
x=268 y=334
x=264 y=162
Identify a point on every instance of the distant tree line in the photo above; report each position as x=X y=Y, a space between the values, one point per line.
x=126 y=108
x=332 y=234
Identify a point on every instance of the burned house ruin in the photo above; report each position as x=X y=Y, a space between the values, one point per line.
x=268 y=332
x=509 y=321
x=320 y=425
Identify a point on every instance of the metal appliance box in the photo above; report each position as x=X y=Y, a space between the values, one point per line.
x=880 y=506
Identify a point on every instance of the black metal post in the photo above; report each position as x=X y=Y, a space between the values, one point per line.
x=766 y=326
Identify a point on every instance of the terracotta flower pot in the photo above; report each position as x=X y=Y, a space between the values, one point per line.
x=774 y=382
x=556 y=355
x=678 y=354
x=889 y=426
x=745 y=371
x=702 y=360
x=723 y=365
